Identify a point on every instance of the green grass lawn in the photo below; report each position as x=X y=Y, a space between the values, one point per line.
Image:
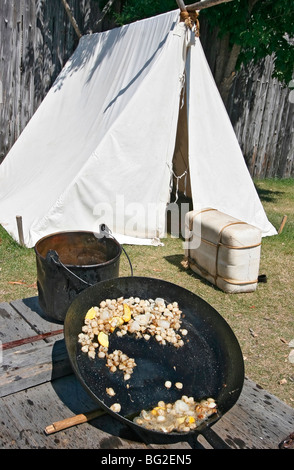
x=263 y=321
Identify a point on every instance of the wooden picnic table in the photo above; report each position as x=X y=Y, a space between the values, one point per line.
x=38 y=388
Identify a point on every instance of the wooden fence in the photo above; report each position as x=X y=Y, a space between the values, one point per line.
x=36 y=39
x=261 y=112
x=262 y=115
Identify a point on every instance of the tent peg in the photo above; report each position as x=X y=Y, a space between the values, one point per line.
x=284 y=220
x=20 y=229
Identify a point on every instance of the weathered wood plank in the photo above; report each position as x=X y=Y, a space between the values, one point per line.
x=35 y=362
x=31 y=365
x=258 y=421
x=24 y=417
x=31 y=311
x=12 y=325
x=37 y=388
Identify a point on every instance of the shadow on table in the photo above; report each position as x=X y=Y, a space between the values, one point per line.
x=71 y=392
x=75 y=397
x=32 y=303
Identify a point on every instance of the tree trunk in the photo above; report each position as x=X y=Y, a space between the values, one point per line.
x=221 y=56
x=227 y=59
x=228 y=68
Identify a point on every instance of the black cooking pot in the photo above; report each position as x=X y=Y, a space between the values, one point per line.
x=210 y=364
x=69 y=262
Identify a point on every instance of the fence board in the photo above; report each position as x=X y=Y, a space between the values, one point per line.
x=36 y=39
x=262 y=117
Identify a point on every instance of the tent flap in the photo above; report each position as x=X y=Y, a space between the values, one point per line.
x=218 y=172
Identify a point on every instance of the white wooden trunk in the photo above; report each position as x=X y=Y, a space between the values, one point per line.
x=223 y=250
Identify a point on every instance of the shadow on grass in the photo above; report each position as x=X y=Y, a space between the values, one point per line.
x=268 y=195
x=176 y=260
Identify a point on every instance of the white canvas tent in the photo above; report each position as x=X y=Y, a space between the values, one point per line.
x=100 y=147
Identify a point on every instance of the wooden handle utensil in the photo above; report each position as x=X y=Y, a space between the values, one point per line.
x=73 y=421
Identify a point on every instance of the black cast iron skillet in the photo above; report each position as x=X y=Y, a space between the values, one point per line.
x=210 y=364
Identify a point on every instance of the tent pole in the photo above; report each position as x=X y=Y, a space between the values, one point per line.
x=181 y=5
x=203 y=4
x=199 y=5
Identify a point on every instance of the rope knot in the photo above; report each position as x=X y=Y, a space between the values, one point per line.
x=190 y=18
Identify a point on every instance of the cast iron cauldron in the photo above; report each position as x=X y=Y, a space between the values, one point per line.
x=69 y=262
x=210 y=364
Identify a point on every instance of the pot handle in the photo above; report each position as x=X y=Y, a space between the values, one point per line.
x=106 y=232
x=53 y=256
x=213 y=439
